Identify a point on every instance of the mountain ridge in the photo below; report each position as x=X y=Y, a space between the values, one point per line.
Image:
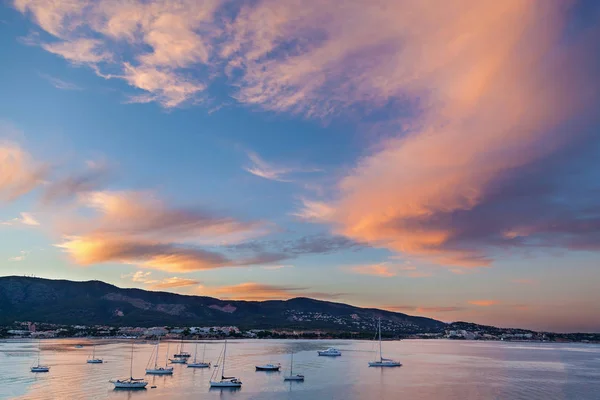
x=96 y=302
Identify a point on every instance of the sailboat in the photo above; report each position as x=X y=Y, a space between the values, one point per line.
x=291 y=376
x=131 y=382
x=225 y=381
x=181 y=354
x=156 y=370
x=93 y=359
x=38 y=367
x=195 y=363
x=383 y=362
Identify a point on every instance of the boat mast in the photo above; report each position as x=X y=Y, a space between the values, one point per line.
x=224 y=352
x=292 y=364
x=167 y=356
x=39 y=350
x=195 y=352
x=380 y=354
x=93 y=352
x=203 y=352
x=156 y=355
x=131 y=365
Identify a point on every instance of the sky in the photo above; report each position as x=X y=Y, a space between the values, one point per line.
x=433 y=158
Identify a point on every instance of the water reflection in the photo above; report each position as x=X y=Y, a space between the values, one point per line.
x=432 y=370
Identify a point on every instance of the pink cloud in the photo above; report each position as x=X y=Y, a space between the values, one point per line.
x=483 y=303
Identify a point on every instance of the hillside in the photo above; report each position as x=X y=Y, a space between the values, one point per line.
x=99 y=303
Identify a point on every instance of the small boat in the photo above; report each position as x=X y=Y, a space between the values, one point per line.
x=39 y=367
x=178 y=360
x=79 y=346
x=195 y=363
x=291 y=376
x=225 y=381
x=181 y=353
x=156 y=370
x=268 y=367
x=383 y=362
x=131 y=382
x=330 y=352
x=93 y=359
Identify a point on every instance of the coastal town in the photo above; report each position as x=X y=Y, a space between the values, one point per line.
x=455 y=331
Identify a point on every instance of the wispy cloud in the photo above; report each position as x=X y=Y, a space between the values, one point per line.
x=20 y=257
x=24 y=219
x=60 y=84
x=425 y=309
x=483 y=303
x=381 y=270
x=19 y=174
x=258 y=291
x=263 y=169
x=274 y=267
x=174 y=282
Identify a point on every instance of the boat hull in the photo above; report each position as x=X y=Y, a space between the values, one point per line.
x=294 y=378
x=258 y=368
x=95 y=361
x=163 y=371
x=178 y=361
x=326 y=354
x=226 y=384
x=199 y=365
x=130 y=385
x=40 y=369
x=384 y=364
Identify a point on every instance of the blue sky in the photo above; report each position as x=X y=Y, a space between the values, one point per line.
x=260 y=150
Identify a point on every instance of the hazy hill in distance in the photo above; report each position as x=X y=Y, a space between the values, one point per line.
x=99 y=303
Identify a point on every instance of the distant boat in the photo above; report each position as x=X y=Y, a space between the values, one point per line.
x=93 y=359
x=195 y=363
x=156 y=370
x=291 y=376
x=79 y=346
x=383 y=362
x=330 y=352
x=225 y=381
x=268 y=367
x=39 y=367
x=131 y=382
x=181 y=353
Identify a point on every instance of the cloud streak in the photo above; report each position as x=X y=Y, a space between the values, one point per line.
x=258 y=292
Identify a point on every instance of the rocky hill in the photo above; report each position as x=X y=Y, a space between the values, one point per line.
x=99 y=303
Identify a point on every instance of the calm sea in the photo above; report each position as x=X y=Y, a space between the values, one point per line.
x=434 y=369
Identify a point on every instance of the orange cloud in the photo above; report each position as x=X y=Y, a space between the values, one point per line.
x=483 y=303
x=174 y=282
x=19 y=174
x=374 y=269
x=258 y=292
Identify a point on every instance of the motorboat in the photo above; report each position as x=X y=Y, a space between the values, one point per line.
x=224 y=381
x=39 y=367
x=268 y=367
x=195 y=363
x=131 y=382
x=330 y=352
x=93 y=359
x=157 y=370
x=383 y=362
x=292 y=376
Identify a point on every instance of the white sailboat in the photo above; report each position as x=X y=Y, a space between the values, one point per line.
x=131 y=382
x=195 y=363
x=291 y=376
x=39 y=367
x=383 y=362
x=93 y=359
x=225 y=381
x=156 y=370
x=181 y=353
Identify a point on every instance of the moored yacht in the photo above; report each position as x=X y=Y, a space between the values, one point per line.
x=195 y=363
x=268 y=367
x=156 y=370
x=39 y=367
x=93 y=359
x=330 y=352
x=181 y=353
x=383 y=362
x=291 y=376
x=131 y=382
x=225 y=381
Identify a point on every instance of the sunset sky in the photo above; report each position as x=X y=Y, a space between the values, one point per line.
x=437 y=158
